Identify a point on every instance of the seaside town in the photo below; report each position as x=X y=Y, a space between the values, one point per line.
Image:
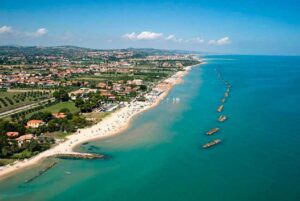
x=48 y=93
x=139 y=100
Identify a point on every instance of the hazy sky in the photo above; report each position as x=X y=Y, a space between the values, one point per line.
x=235 y=26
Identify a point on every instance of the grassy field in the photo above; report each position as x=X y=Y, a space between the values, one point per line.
x=55 y=108
x=58 y=106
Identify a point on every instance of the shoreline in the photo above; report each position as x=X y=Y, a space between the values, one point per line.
x=115 y=123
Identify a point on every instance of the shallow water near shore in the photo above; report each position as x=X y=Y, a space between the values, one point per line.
x=160 y=156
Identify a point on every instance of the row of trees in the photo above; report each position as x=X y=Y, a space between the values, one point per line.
x=31 y=95
x=4 y=102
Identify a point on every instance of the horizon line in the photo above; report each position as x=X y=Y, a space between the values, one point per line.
x=137 y=48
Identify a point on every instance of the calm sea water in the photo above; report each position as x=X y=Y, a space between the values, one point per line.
x=160 y=156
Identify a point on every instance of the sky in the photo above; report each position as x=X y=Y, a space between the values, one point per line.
x=267 y=27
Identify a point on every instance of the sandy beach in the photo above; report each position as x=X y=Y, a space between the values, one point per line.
x=111 y=125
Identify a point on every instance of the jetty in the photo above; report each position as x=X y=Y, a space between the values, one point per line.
x=212 y=131
x=212 y=143
x=223 y=100
x=40 y=173
x=222 y=118
x=72 y=155
x=226 y=94
x=220 y=108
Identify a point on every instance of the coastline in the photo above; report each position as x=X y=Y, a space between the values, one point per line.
x=111 y=125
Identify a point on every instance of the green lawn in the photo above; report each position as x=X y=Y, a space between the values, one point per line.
x=58 y=106
x=55 y=108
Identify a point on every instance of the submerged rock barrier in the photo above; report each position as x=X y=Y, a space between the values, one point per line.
x=41 y=172
x=87 y=156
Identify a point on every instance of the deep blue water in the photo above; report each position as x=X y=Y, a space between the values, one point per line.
x=160 y=156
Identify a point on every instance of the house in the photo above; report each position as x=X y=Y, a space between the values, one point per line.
x=105 y=93
x=59 y=115
x=112 y=97
x=166 y=64
x=12 y=134
x=24 y=138
x=74 y=94
x=81 y=91
x=137 y=82
x=35 y=123
x=102 y=85
x=179 y=64
x=128 y=89
x=117 y=87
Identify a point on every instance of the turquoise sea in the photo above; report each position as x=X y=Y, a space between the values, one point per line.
x=160 y=156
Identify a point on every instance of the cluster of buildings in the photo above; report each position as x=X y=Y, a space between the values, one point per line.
x=34 y=123
x=21 y=139
x=48 y=71
x=55 y=74
x=115 y=53
x=26 y=78
x=109 y=89
x=164 y=57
